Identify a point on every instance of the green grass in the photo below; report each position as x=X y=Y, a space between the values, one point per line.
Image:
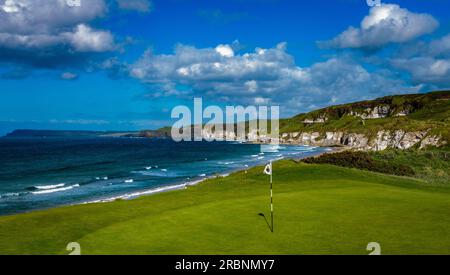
x=431 y=165
x=319 y=209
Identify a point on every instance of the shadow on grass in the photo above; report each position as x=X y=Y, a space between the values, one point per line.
x=267 y=222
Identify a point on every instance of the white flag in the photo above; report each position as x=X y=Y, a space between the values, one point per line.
x=268 y=169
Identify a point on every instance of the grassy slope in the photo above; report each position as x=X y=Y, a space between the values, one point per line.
x=320 y=209
x=429 y=111
x=431 y=165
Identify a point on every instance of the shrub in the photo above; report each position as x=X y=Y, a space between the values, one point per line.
x=363 y=161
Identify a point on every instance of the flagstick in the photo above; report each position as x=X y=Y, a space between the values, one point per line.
x=271 y=195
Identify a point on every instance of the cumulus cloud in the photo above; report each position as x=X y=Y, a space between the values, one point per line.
x=221 y=74
x=387 y=23
x=135 y=5
x=50 y=32
x=440 y=46
x=426 y=69
x=225 y=50
x=340 y=80
x=427 y=62
x=46 y=16
x=85 y=39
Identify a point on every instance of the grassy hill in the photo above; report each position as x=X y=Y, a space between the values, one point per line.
x=431 y=165
x=319 y=209
x=404 y=112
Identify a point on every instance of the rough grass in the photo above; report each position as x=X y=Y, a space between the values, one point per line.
x=363 y=161
x=431 y=165
x=319 y=209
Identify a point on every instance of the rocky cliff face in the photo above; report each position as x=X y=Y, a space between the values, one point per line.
x=380 y=111
x=374 y=112
x=401 y=123
x=383 y=140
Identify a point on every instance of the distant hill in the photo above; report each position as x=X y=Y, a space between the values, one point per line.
x=160 y=133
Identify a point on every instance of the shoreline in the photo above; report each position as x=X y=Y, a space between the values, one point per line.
x=174 y=186
x=180 y=186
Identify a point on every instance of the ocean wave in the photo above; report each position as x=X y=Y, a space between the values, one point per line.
x=152 y=191
x=47 y=187
x=151 y=167
x=129 y=181
x=159 y=173
x=227 y=162
x=49 y=191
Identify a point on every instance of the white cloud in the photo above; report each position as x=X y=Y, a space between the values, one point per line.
x=385 y=24
x=11 y=6
x=427 y=62
x=46 y=16
x=80 y=121
x=85 y=39
x=426 y=69
x=135 y=5
x=440 y=46
x=271 y=73
x=49 y=32
x=252 y=86
x=225 y=50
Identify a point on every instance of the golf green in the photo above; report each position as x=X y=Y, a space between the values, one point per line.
x=319 y=209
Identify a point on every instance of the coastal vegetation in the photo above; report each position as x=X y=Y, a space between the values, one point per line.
x=363 y=161
x=430 y=165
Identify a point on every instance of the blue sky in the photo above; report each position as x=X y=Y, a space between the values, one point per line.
x=123 y=65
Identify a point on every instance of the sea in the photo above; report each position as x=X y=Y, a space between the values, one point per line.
x=40 y=173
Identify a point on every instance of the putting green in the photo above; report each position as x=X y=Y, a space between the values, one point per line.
x=319 y=209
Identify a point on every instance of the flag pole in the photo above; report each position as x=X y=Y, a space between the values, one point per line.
x=271 y=195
